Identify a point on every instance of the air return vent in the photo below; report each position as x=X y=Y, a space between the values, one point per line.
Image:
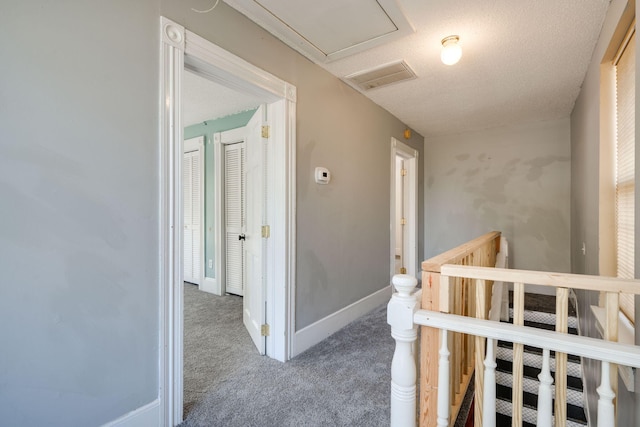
x=382 y=76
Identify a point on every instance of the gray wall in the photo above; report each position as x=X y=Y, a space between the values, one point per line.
x=585 y=152
x=79 y=209
x=511 y=179
x=343 y=237
x=79 y=190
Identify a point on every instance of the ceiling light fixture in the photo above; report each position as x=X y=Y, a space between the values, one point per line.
x=451 y=50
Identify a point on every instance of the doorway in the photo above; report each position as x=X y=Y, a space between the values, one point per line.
x=404 y=209
x=180 y=49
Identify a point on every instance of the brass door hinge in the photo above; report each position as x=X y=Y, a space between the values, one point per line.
x=403 y=172
x=266 y=231
x=265 y=131
x=403 y=270
x=264 y=330
x=403 y=221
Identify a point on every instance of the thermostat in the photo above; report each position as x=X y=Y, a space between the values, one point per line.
x=323 y=176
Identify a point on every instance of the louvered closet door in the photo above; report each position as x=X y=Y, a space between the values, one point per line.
x=192 y=216
x=234 y=202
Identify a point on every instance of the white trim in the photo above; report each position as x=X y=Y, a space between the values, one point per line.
x=170 y=218
x=311 y=335
x=211 y=285
x=232 y=71
x=205 y=58
x=281 y=217
x=410 y=157
x=232 y=136
x=144 y=416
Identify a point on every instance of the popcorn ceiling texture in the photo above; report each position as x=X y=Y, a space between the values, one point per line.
x=522 y=61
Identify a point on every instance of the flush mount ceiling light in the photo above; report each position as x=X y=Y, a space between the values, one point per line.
x=451 y=50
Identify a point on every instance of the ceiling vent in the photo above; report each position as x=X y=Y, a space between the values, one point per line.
x=382 y=76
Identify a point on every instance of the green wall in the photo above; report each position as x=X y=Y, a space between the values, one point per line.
x=207 y=129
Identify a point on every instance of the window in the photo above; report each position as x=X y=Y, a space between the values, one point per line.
x=624 y=64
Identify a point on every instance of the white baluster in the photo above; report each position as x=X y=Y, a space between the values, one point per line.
x=545 y=393
x=400 y=312
x=489 y=403
x=606 y=411
x=443 y=381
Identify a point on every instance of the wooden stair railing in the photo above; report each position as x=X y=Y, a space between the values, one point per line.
x=466 y=298
x=404 y=316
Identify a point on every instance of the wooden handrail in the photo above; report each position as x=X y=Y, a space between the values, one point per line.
x=457 y=254
x=464 y=298
x=543 y=278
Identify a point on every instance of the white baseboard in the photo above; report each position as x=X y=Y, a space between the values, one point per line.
x=144 y=416
x=311 y=335
x=210 y=285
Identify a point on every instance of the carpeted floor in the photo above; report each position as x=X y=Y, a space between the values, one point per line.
x=343 y=381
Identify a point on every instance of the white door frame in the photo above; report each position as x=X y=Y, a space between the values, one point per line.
x=178 y=44
x=197 y=144
x=410 y=249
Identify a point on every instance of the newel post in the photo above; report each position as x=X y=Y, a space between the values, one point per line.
x=400 y=312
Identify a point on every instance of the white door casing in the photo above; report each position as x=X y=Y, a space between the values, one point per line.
x=256 y=196
x=409 y=187
x=193 y=205
x=203 y=57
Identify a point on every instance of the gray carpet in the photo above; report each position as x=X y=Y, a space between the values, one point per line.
x=343 y=381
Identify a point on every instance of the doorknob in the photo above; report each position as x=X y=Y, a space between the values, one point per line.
x=241 y=237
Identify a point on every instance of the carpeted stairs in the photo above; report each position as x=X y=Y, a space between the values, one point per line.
x=539 y=313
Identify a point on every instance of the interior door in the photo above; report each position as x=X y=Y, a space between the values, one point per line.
x=234 y=217
x=192 y=205
x=400 y=216
x=254 y=297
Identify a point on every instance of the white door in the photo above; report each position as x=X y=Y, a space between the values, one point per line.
x=254 y=296
x=192 y=163
x=234 y=217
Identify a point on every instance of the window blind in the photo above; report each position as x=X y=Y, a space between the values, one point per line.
x=625 y=167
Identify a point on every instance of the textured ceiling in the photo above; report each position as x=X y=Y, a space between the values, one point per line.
x=206 y=100
x=522 y=61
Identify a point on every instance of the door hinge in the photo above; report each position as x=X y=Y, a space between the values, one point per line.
x=265 y=131
x=403 y=270
x=403 y=221
x=264 y=330
x=266 y=231
x=403 y=172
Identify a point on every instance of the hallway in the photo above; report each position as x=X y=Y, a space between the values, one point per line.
x=343 y=381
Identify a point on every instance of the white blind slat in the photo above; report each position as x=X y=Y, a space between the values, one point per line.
x=625 y=168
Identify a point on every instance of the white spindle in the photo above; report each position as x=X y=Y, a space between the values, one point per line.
x=443 y=380
x=489 y=397
x=545 y=394
x=606 y=411
x=400 y=312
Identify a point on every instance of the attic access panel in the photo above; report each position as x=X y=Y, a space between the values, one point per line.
x=329 y=29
